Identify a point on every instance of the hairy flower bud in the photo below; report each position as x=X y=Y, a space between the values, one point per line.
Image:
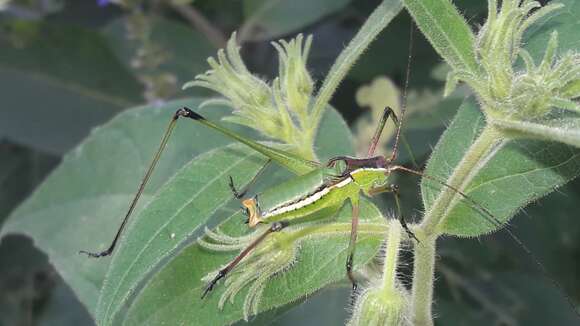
x=278 y=110
x=377 y=307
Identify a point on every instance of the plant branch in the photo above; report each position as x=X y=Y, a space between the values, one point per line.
x=376 y=22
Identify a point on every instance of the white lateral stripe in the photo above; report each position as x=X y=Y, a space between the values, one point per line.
x=368 y=169
x=308 y=200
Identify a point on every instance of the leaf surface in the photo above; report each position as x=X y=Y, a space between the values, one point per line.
x=173 y=295
x=447 y=31
x=80 y=204
x=514 y=174
x=58 y=77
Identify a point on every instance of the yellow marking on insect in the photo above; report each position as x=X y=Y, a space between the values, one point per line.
x=254 y=216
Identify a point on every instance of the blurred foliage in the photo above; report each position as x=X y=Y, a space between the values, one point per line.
x=68 y=66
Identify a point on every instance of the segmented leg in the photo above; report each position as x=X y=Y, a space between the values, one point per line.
x=352 y=244
x=393 y=188
x=274 y=227
x=240 y=194
x=375 y=140
x=166 y=136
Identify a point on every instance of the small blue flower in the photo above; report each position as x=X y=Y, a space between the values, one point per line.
x=103 y=3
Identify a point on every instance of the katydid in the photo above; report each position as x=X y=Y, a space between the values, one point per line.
x=319 y=193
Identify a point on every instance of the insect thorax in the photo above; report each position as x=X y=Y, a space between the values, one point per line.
x=367 y=178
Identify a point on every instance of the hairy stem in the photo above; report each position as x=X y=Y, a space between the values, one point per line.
x=391 y=257
x=376 y=22
x=423 y=277
x=469 y=166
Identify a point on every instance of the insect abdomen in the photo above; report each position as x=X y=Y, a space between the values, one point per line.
x=325 y=195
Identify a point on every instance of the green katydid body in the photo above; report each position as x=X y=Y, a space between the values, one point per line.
x=318 y=191
x=323 y=190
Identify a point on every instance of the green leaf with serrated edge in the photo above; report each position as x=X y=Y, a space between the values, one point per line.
x=514 y=174
x=447 y=31
x=80 y=205
x=173 y=295
x=179 y=208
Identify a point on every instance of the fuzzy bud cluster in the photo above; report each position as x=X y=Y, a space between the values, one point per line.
x=278 y=110
x=528 y=94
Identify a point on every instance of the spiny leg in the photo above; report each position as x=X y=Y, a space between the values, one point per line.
x=179 y=113
x=239 y=194
x=393 y=188
x=274 y=227
x=352 y=243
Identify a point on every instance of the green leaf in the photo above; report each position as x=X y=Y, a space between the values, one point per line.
x=564 y=21
x=182 y=206
x=514 y=173
x=266 y=19
x=93 y=185
x=173 y=295
x=565 y=130
x=59 y=74
x=447 y=31
x=185 y=50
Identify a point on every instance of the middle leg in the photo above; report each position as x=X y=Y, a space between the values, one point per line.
x=352 y=243
x=394 y=189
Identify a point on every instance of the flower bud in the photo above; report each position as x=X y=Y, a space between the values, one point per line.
x=380 y=307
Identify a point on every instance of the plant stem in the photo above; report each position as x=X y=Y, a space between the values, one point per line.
x=376 y=22
x=423 y=274
x=391 y=257
x=423 y=279
x=469 y=166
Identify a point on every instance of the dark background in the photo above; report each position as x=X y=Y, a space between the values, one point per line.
x=68 y=66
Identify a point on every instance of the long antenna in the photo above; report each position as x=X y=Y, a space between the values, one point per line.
x=142 y=185
x=405 y=89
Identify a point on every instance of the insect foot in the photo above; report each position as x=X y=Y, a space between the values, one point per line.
x=272 y=256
